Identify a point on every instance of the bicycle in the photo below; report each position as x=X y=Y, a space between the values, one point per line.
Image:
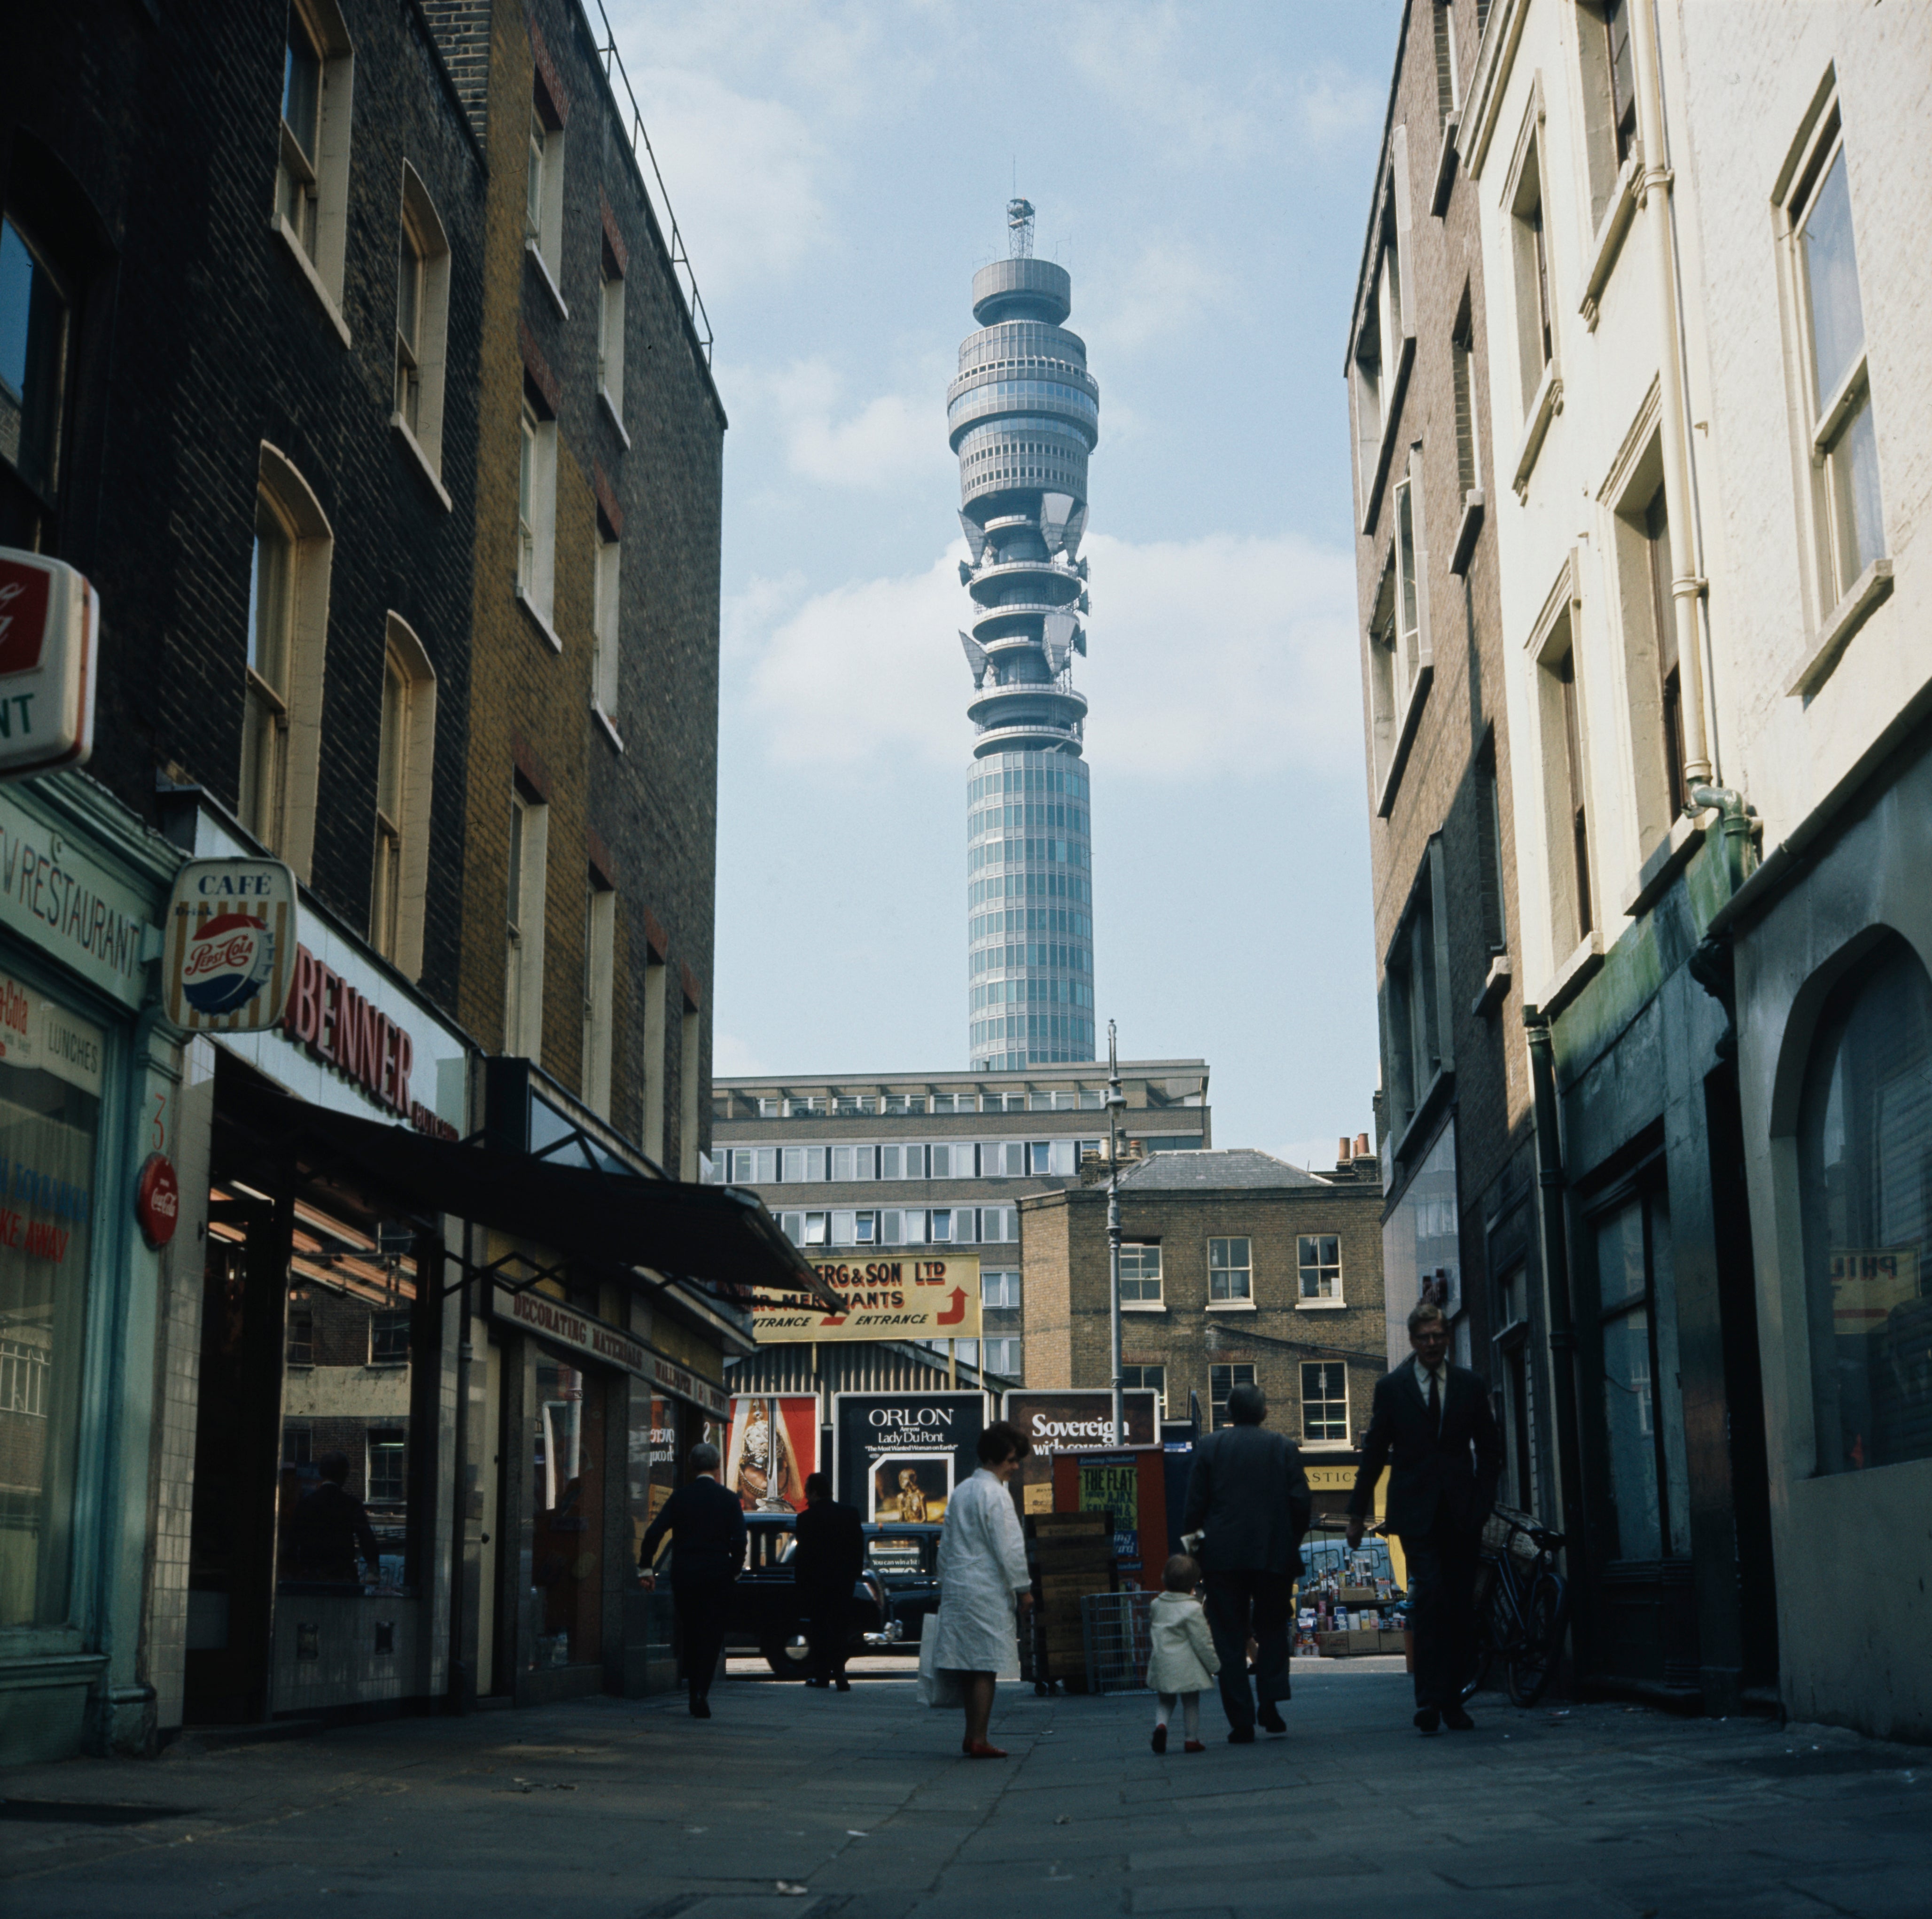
x=1525 y=1612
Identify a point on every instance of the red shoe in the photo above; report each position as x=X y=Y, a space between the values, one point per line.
x=1194 y=1745
x=982 y=1751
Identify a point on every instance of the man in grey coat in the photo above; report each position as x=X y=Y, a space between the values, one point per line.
x=1248 y=1498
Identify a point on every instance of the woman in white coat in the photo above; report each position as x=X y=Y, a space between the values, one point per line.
x=983 y=1577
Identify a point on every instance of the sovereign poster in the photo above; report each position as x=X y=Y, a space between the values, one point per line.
x=892 y=1296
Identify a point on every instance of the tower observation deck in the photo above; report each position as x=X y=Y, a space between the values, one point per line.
x=1024 y=415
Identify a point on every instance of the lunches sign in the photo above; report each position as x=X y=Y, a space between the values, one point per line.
x=894 y=1297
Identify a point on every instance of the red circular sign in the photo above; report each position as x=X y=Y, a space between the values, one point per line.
x=157 y=1200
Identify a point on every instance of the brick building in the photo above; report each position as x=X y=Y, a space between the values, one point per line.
x=1234 y=1267
x=1455 y=1120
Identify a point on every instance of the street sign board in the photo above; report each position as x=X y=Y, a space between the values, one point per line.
x=49 y=636
x=915 y=1294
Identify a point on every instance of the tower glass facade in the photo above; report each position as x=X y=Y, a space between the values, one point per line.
x=1024 y=416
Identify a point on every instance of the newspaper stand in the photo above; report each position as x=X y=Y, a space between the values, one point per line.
x=1072 y=1556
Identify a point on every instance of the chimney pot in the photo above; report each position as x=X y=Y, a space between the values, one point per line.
x=1362 y=1146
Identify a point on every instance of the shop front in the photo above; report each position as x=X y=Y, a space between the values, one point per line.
x=87 y=1101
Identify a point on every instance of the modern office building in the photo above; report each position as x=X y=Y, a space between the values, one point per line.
x=943 y=1159
x=1024 y=415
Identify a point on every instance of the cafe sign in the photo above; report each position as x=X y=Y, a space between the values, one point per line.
x=892 y=1296
x=49 y=633
x=228 y=945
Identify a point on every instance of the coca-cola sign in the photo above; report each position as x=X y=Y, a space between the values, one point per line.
x=48 y=634
x=230 y=950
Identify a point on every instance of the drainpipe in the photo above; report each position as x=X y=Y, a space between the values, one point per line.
x=1654 y=202
x=1556 y=1283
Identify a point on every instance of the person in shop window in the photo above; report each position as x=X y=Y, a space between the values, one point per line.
x=707 y=1525
x=331 y=1526
x=829 y=1557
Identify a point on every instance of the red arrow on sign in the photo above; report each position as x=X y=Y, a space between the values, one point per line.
x=956 y=1312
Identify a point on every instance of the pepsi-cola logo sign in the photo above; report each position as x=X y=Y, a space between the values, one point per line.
x=230 y=959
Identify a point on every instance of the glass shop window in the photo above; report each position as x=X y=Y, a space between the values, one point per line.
x=50 y=1118
x=564 y=1623
x=1865 y=1156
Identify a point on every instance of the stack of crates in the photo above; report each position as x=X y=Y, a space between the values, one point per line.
x=1073 y=1555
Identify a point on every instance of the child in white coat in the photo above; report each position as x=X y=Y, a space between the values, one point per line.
x=1182 y=1662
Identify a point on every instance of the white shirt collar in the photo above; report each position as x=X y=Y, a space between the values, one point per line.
x=1441 y=1374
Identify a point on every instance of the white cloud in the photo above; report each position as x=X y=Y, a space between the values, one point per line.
x=889 y=439
x=1173 y=286
x=1229 y=656
x=1335 y=102
x=732 y=1059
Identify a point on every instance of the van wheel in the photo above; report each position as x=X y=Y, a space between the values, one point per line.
x=788 y=1655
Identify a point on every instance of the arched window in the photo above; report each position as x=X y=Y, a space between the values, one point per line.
x=1864 y=1146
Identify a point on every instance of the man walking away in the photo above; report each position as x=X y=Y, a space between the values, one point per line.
x=827 y=1559
x=330 y=1529
x=1431 y=1424
x=1248 y=1499
x=707 y=1525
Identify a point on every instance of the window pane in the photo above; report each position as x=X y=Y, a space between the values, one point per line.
x=1831 y=278
x=1855 y=506
x=1630 y=1433
x=33 y=360
x=1865 y=1166
x=302 y=91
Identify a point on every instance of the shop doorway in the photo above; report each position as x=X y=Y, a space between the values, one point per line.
x=566 y=1597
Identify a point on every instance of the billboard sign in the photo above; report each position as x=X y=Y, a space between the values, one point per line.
x=229 y=951
x=771 y=1450
x=899 y=1456
x=892 y=1296
x=1076 y=1419
x=49 y=631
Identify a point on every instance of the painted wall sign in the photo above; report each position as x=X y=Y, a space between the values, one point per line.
x=228 y=946
x=157 y=1200
x=58 y=899
x=893 y=1296
x=328 y=1017
x=49 y=632
x=583 y=1332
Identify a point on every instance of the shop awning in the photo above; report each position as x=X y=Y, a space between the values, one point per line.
x=611 y=1218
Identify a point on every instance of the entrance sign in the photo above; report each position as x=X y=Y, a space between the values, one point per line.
x=49 y=636
x=894 y=1296
x=228 y=945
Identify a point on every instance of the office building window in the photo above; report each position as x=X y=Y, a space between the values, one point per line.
x=1222 y=1380
x=388 y=1338
x=1446 y=100
x=389 y=1467
x=543 y=188
x=1462 y=363
x=405 y=752
x=524 y=885
x=1320 y=1257
x=605 y=621
x=1140 y=1274
x=1536 y=334
x=297 y=1444
x=853 y=1162
x=1229 y=1274
x=1002 y=1357
x=1147 y=1379
x=999 y=1288
x=312 y=168
x=536 y=513
x=1324 y=1403
x=301 y=1335
x=611 y=336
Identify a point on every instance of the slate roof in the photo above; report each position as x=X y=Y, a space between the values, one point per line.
x=1214 y=1167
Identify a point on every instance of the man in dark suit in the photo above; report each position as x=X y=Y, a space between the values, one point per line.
x=707 y=1525
x=1248 y=1498
x=330 y=1529
x=828 y=1559
x=1431 y=1424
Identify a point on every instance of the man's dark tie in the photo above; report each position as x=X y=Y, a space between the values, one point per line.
x=1435 y=1401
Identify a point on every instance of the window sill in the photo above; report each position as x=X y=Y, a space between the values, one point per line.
x=610 y=414
x=1571 y=978
x=1414 y=1131
x=1418 y=691
x=1327 y=1445
x=543 y=274
x=1391 y=415
x=1445 y=164
x=1496 y=987
x=1610 y=231
x=299 y=254
x=607 y=726
x=1143 y=1305
x=1467 y=529
x=1321 y=1305
x=1869 y=592
x=537 y=620
x=1544 y=408
x=422 y=460
x=1670 y=856
x=1230 y=1305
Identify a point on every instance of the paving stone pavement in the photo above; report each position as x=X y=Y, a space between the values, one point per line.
x=803 y=1804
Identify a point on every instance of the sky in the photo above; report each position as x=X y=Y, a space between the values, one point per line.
x=837 y=172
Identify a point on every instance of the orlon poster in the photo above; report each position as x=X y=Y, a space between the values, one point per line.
x=771 y=1449
x=894 y=1296
x=899 y=1456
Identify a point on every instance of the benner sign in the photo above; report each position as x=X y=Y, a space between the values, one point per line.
x=898 y=1296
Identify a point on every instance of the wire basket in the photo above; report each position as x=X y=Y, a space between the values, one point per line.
x=1502 y=1533
x=1118 y=1631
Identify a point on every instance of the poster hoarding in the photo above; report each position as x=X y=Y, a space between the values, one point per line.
x=898 y=1456
x=1076 y=1419
x=772 y=1450
x=892 y=1296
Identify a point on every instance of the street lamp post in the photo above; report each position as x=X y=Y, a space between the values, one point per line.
x=1116 y=1099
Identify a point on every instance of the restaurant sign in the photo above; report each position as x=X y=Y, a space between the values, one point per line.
x=894 y=1296
x=598 y=1339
